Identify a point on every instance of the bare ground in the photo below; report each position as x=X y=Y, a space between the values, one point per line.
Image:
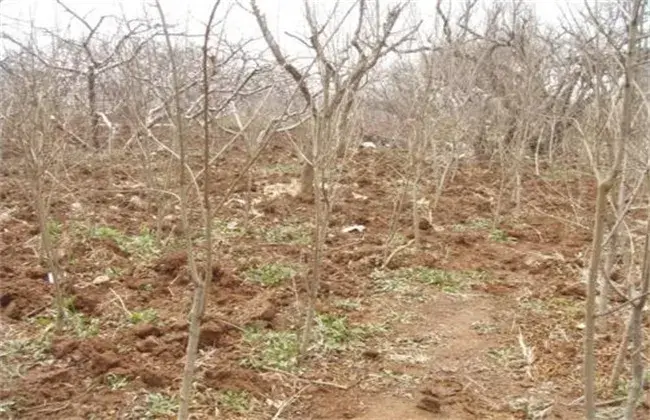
x=480 y=323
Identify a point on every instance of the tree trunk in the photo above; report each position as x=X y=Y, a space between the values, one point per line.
x=307 y=180
x=92 y=107
x=590 y=305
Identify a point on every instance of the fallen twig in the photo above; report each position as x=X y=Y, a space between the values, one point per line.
x=289 y=401
x=123 y=306
x=398 y=249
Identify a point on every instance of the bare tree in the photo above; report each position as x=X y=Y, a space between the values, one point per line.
x=330 y=111
x=337 y=86
x=97 y=62
x=606 y=180
x=33 y=123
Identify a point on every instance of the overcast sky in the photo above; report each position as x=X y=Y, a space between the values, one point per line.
x=282 y=15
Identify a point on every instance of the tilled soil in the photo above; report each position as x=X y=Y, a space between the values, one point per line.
x=495 y=334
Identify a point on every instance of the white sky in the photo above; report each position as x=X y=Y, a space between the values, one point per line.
x=282 y=15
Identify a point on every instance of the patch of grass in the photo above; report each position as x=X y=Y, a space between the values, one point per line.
x=279 y=349
x=83 y=326
x=160 y=405
x=54 y=228
x=79 y=324
x=276 y=349
x=235 y=401
x=270 y=274
x=348 y=304
x=291 y=233
x=19 y=354
x=402 y=279
x=484 y=328
x=156 y=405
x=537 y=306
x=446 y=280
x=498 y=235
x=566 y=306
x=115 y=381
x=143 y=245
x=392 y=316
x=386 y=282
x=504 y=356
x=334 y=332
x=148 y=316
x=494 y=235
x=555 y=174
x=473 y=224
x=227 y=229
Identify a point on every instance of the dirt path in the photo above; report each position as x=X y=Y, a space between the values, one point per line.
x=452 y=345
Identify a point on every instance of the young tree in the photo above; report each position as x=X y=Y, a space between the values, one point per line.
x=340 y=77
x=606 y=179
x=38 y=93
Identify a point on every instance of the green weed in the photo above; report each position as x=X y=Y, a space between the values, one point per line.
x=54 y=229
x=498 y=235
x=226 y=229
x=296 y=234
x=473 y=224
x=348 y=304
x=18 y=354
x=235 y=401
x=115 y=381
x=334 y=332
x=403 y=279
x=148 y=316
x=143 y=245
x=276 y=349
x=83 y=326
x=270 y=274
x=156 y=406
